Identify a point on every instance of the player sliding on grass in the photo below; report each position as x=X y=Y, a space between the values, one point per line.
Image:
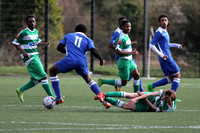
x=125 y=64
x=75 y=46
x=167 y=63
x=160 y=101
x=27 y=42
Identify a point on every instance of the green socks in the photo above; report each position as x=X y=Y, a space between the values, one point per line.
x=47 y=87
x=32 y=83
x=29 y=85
x=136 y=85
x=115 y=94
x=115 y=102
x=109 y=81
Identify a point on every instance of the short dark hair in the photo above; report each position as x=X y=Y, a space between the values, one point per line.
x=163 y=15
x=124 y=22
x=29 y=16
x=81 y=28
x=121 y=18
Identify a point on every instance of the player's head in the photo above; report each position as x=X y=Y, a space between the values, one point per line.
x=126 y=26
x=164 y=21
x=169 y=96
x=120 y=21
x=31 y=22
x=81 y=28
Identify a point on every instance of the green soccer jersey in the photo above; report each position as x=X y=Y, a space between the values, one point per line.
x=123 y=43
x=28 y=41
x=162 y=106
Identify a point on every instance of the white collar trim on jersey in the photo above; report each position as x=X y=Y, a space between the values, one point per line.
x=81 y=33
x=29 y=29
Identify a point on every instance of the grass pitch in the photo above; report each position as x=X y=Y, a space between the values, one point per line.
x=80 y=113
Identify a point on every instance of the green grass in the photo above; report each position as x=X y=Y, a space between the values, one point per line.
x=80 y=113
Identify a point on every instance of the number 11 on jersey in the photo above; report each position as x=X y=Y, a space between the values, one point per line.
x=78 y=41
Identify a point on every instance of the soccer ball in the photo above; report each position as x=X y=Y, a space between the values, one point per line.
x=49 y=102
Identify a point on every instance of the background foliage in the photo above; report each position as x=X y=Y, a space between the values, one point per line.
x=64 y=15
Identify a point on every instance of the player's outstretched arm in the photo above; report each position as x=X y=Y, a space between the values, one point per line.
x=61 y=48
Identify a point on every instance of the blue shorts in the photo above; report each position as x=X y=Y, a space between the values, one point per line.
x=65 y=66
x=169 y=67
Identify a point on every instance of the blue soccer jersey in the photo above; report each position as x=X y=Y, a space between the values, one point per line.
x=115 y=35
x=162 y=40
x=77 y=44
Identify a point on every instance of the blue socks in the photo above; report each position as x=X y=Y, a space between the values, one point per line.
x=94 y=87
x=55 y=85
x=161 y=82
x=165 y=81
x=175 y=84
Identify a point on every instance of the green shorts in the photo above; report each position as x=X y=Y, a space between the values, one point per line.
x=125 y=68
x=36 y=69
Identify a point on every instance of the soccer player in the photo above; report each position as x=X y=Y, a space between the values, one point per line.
x=112 y=45
x=75 y=46
x=125 y=64
x=27 y=42
x=160 y=101
x=167 y=63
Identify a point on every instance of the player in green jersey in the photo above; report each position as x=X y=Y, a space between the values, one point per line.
x=27 y=42
x=159 y=101
x=125 y=64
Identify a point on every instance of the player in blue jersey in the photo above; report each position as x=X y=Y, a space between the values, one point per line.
x=75 y=46
x=167 y=63
x=112 y=45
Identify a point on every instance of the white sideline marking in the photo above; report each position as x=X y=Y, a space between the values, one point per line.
x=107 y=126
x=80 y=107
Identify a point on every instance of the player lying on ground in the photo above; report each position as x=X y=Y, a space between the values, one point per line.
x=160 y=101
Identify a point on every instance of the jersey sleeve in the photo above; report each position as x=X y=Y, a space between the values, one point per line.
x=114 y=36
x=90 y=44
x=17 y=39
x=156 y=38
x=63 y=41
